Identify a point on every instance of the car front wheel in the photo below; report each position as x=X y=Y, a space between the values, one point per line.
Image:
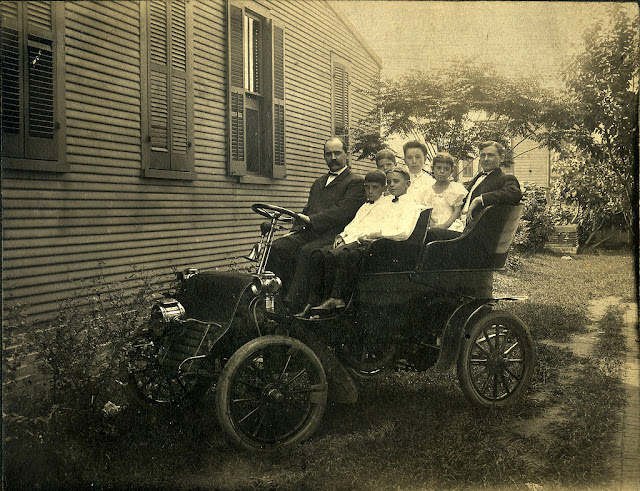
x=271 y=392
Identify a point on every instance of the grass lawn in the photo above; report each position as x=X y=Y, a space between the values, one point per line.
x=410 y=430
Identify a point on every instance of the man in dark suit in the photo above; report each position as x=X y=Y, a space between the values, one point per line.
x=489 y=187
x=333 y=201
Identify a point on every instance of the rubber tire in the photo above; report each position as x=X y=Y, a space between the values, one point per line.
x=194 y=388
x=238 y=364
x=471 y=378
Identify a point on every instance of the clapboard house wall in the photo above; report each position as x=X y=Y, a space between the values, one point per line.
x=532 y=162
x=102 y=218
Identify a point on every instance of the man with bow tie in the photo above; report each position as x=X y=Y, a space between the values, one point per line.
x=334 y=199
x=489 y=187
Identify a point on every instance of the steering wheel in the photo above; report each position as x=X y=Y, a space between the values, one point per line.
x=272 y=211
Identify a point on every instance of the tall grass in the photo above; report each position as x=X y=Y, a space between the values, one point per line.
x=408 y=430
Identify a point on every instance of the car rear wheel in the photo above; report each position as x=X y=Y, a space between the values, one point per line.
x=496 y=360
x=271 y=392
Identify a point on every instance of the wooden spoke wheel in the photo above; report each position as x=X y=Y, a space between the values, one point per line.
x=496 y=360
x=156 y=382
x=271 y=392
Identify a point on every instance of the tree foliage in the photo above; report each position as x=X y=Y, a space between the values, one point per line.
x=455 y=109
x=598 y=166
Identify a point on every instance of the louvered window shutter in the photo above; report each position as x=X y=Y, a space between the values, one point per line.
x=40 y=142
x=178 y=98
x=237 y=151
x=279 y=149
x=28 y=82
x=12 y=120
x=170 y=115
x=158 y=82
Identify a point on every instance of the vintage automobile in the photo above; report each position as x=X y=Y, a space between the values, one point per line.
x=421 y=304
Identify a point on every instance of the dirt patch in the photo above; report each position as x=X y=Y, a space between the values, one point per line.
x=599 y=307
x=581 y=345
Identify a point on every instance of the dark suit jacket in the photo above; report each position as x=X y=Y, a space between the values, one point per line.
x=496 y=188
x=332 y=207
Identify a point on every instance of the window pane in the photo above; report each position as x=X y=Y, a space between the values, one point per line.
x=251 y=45
x=253 y=140
x=468 y=169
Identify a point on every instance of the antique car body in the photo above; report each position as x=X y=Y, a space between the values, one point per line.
x=428 y=304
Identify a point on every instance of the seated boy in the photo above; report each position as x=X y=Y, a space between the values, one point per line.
x=415 y=154
x=385 y=160
x=397 y=217
x=369 y=213
x=366 y=218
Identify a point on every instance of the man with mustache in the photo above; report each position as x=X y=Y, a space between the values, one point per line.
x=334 y=199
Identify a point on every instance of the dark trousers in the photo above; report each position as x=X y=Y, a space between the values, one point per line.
x=290 y=260
x=334 y=272
x=347 y=259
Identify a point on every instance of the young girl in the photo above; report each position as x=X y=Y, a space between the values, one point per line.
x=446 y=196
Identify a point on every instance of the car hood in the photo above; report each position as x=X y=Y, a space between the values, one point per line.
x=213 y=296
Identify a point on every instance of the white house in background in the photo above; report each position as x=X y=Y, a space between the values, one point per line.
x=532 y=163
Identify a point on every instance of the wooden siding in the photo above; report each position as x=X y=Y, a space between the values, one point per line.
x=531 y=163
x=102 y=217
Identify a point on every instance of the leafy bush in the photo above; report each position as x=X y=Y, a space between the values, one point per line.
x=594 y=194
x=79 y=354
x=536 y=223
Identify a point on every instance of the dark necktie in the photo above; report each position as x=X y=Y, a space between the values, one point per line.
x=334 y=173
x=370 y=201
x=395 y=200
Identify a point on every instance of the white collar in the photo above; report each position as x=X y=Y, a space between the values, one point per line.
x=338 y=172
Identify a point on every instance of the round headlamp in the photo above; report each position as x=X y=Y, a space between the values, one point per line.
x=267 y=283
x=167 y=310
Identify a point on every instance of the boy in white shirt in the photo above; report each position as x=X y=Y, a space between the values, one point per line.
x=415 y=154
x=398 y=215
x=366 y=219
x=368 y=214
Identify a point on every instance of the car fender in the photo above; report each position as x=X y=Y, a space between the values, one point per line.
x=455 y=328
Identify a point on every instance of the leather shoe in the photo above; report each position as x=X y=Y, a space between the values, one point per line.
x=330 y=304
x=304 y=313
